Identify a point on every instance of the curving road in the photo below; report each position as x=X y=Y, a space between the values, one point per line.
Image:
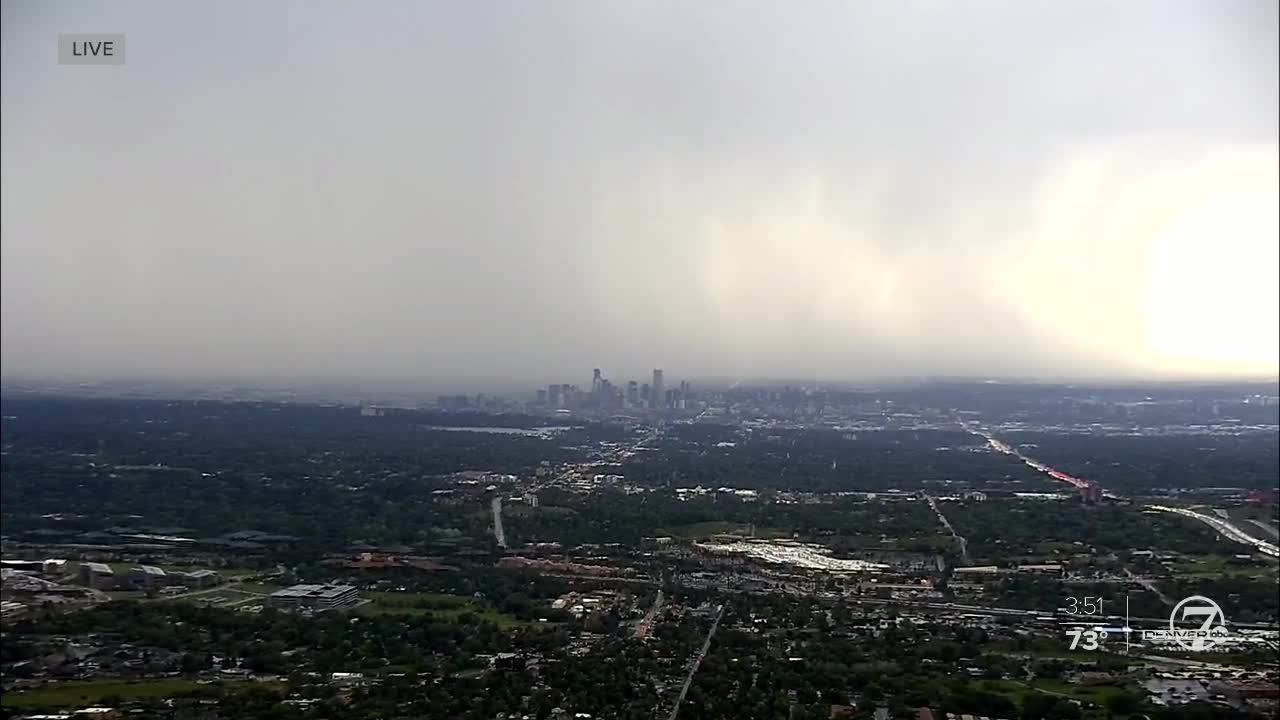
x=1221 y=524
x=1268 y=529
x=1225 y=528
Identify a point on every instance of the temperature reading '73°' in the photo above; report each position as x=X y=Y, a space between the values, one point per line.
x=1083 y=639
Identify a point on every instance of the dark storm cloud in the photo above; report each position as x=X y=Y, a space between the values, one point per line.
x=475 y=190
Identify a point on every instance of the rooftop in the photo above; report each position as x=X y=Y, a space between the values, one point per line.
x=313 y=591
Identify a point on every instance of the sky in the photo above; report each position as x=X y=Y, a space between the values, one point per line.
x=522 y=191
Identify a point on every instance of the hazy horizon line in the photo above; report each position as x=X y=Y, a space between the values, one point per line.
x=444 y=385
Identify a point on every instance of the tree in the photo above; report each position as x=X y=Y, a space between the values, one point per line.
x=1123 y=702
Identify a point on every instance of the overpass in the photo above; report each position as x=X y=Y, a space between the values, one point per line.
x=1225 y=528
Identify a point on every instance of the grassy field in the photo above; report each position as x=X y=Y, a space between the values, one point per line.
x=86 y=693
x=223 y=598
x=440 y=605
x=1266 y=514
x=229 y=573
x=1004 y=648
x=1213 y=566
x=1090 y=693
x=1017 y=691
x=428 y=601
x=259 y=588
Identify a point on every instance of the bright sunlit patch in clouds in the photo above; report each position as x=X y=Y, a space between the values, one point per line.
x=845 y=190
x=1214 y=285
x=1155 y=254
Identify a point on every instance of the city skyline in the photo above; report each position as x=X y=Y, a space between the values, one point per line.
x=606 y=394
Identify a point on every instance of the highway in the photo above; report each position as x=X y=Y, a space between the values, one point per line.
x=1221 y=524
x=1031 y=463
x=1227 y=529
x=1266 y=528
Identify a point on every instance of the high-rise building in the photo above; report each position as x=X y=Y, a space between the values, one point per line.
x=1091 y=493
x=645 y=394
x=453 y=402
x=553 y=395
x=658 y=394
x=595 y=380
x=633 y=393
x=542 y=397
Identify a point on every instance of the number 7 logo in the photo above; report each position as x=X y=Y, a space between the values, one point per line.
x=1197 y=606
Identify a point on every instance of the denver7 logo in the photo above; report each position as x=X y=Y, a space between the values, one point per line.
x=1206 y=635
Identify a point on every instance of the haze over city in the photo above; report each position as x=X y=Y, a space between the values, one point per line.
x=640 y=360
x=493 y=191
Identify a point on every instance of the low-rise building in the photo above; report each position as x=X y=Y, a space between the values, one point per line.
x=314 y=597
x=201 y=579
x=97 y=575
x=147 y=577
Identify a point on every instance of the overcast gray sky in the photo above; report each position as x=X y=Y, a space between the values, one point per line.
x=526 y=190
